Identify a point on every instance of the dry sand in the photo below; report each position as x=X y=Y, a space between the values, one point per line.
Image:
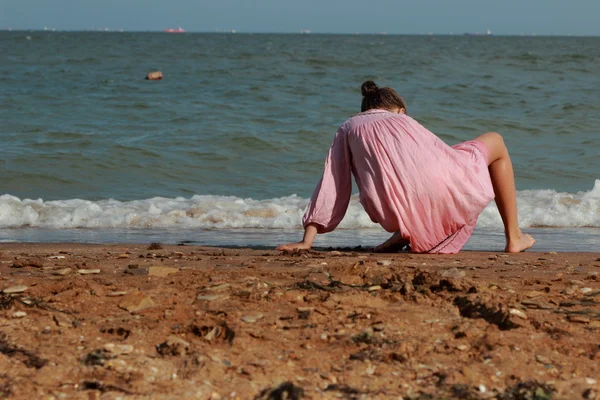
x=186 y=322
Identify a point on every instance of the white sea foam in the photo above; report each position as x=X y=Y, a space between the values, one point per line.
x=537 y=208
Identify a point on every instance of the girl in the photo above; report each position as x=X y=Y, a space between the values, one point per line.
x=413 y=184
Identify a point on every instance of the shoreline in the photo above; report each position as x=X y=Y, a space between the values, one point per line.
x=107 y=320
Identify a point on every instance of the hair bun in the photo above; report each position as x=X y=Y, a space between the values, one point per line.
x=369 y=87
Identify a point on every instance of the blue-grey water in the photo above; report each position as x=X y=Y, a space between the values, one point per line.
x=227 y=148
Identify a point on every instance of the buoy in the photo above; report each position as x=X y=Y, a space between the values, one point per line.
x=154 y=76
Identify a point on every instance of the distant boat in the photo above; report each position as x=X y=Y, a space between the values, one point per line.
x=174 y=30
x=487 y=33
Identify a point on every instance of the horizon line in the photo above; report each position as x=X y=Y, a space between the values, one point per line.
x=302 y=32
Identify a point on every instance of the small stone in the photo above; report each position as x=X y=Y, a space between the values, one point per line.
x=582 y=319
x=136 y=302
x=116 y=294
x=88 y=271
x=219 y=288
x=209 y=297
x=57 y=257
x=511 y=263
x=136 y=271
x=304 y=312
x=123 y=256
x=371 y=370
x=62 y=271
x=518 y=313
x=453 y=273
x=462 y=347
x=252 y=318
x=62 y=320
x=590 y=381
x=537 y=302
x=571 y=290
x=385 y=263
x=162 y=272
x=28 y=262
x=335 y=253
x=374 y=288
x=542 y=359
x=552 y=252
x=173 y=346
x=15 y=289
x=586 y=290
x=118 y=349
x=534 y=293
x=19 y=314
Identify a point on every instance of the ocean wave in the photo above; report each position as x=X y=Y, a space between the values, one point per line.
x=537 y=208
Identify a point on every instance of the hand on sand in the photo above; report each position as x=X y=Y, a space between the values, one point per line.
x=294 y=246
x=521 y=244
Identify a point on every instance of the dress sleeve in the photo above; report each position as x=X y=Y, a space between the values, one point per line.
x=331 y=197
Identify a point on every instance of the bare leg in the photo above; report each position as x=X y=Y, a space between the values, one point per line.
x=393 y=244
x=503 y=181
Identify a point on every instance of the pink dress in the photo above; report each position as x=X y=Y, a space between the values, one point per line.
x=409 y=181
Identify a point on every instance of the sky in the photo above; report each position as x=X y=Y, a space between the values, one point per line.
x=505 y=17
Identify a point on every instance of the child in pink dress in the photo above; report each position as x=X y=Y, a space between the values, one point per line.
x=411 y=183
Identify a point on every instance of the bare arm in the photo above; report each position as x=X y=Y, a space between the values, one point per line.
x=330 y=198
x=310 y=232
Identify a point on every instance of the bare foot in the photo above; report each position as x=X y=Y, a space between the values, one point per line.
x=521 y=244
x=293 y=246
x=394 y=244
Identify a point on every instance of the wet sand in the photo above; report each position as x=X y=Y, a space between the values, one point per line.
x=187 y=322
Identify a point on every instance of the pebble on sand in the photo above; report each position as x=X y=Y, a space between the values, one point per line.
x=116 y=294
x=162 y=272
x=202 y=297
x=250 y=319
x=88 y=271
x=14 y=289
x=582 y=319
x=19 y=314
x=118 y=349
x=518 y=313
x=137 y=302
x=62 y=271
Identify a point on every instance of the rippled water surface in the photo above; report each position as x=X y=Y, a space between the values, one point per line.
x=252 y=116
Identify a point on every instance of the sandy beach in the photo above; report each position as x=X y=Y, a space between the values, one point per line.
x=187 y=322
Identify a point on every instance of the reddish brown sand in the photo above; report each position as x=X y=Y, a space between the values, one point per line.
x=185 y=322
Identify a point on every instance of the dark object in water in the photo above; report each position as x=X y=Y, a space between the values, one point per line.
x=154 y=76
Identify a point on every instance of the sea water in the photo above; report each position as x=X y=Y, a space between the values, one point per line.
x=227 y=148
